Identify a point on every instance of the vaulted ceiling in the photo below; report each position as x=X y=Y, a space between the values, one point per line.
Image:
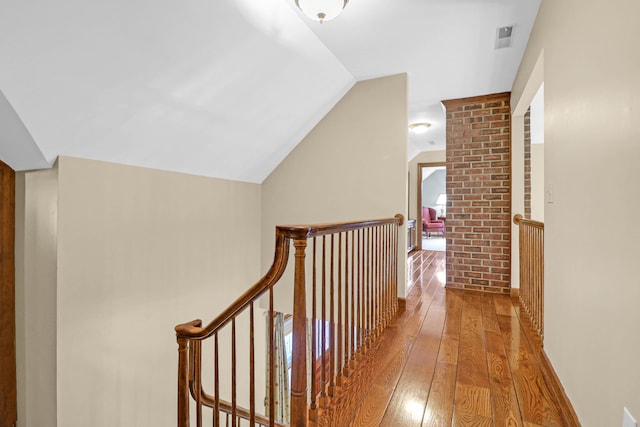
x=227 y=88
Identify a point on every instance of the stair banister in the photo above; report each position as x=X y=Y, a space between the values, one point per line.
x=377 y=240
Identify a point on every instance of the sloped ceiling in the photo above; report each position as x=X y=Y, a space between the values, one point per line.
x=226 y=88
x=447 y=47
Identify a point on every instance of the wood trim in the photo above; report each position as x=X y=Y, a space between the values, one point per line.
x=402 y=305
x=514 y=292
x=419 y=199
x=476 y=99
x=8 y=402
x=569 y=416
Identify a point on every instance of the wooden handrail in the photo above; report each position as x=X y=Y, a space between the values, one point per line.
x=367 y=283
x=520 y=220
x=316 y=230
x=193 y=330
x=283 y=232
x=531 y=295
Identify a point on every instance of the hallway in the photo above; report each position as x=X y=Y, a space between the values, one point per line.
x=456 y=358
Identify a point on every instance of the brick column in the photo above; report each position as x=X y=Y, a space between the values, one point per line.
x=478 y=162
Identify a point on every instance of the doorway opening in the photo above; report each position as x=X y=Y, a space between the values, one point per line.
x=432 y=200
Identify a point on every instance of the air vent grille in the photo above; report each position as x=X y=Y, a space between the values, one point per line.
x=503 y=37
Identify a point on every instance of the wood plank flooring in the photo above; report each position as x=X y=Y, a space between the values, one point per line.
x=456 y=358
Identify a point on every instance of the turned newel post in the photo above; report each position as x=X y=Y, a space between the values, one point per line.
x=299 y=359
x=183 y=383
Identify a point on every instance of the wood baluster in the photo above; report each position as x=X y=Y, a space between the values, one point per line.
x=392 y=295
x=531 y=292
x=394 y=284
x=323 y=337
x=539 y=278
x=376 y=283
x=233 y=374
x=360 y=284
x=216 y=384
x=332 y=324
x=314 y=343
x=378 y=303
x=529 y=273
x=532 y=273
x=542 y=284
x=364 y=293
x=299 y=366
x=392 y=277
x=380 y=286
x=530 y=254
x=197 y=379
x=252 y=369
x=372 y=282
x=385 y=272
x=347 y=328
x=340 y=355
x=363 y=301
x=369 y=287
x=523 y=268
x=352 y=328
x=532 y=267
x=272 y=363
x=531 y=270
x=372 y=279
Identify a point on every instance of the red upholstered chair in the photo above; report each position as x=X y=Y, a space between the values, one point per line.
x=429 y=222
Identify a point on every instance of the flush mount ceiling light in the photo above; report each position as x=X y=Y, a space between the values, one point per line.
x=321 y=10
x=419 y=127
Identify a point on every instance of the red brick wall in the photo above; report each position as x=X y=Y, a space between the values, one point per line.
x=478 y=226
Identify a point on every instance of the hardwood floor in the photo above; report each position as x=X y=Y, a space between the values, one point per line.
x=456 y=358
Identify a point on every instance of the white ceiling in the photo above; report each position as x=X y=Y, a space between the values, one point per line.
x=226 y=88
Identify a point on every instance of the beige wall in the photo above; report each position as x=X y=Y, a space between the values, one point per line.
x=36 y=270
x=351 y=166
x=537 y=182
x=414 y=186
x=138 y=251
x=592 y=99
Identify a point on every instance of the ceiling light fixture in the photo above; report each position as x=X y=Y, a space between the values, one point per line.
x=321 y=10
x=419 y=127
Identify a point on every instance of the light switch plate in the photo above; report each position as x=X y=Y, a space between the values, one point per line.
x=628 y=420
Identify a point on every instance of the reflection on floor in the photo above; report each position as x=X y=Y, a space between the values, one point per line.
x=456 y=358
x=434 y=243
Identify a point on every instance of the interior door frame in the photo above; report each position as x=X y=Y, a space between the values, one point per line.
x=8 y=403
x=419 y=204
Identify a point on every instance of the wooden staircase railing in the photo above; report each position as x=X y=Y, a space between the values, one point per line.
x=350 y=284
x=532 y=271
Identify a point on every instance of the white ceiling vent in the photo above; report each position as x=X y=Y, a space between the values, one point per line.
x=503 y=37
